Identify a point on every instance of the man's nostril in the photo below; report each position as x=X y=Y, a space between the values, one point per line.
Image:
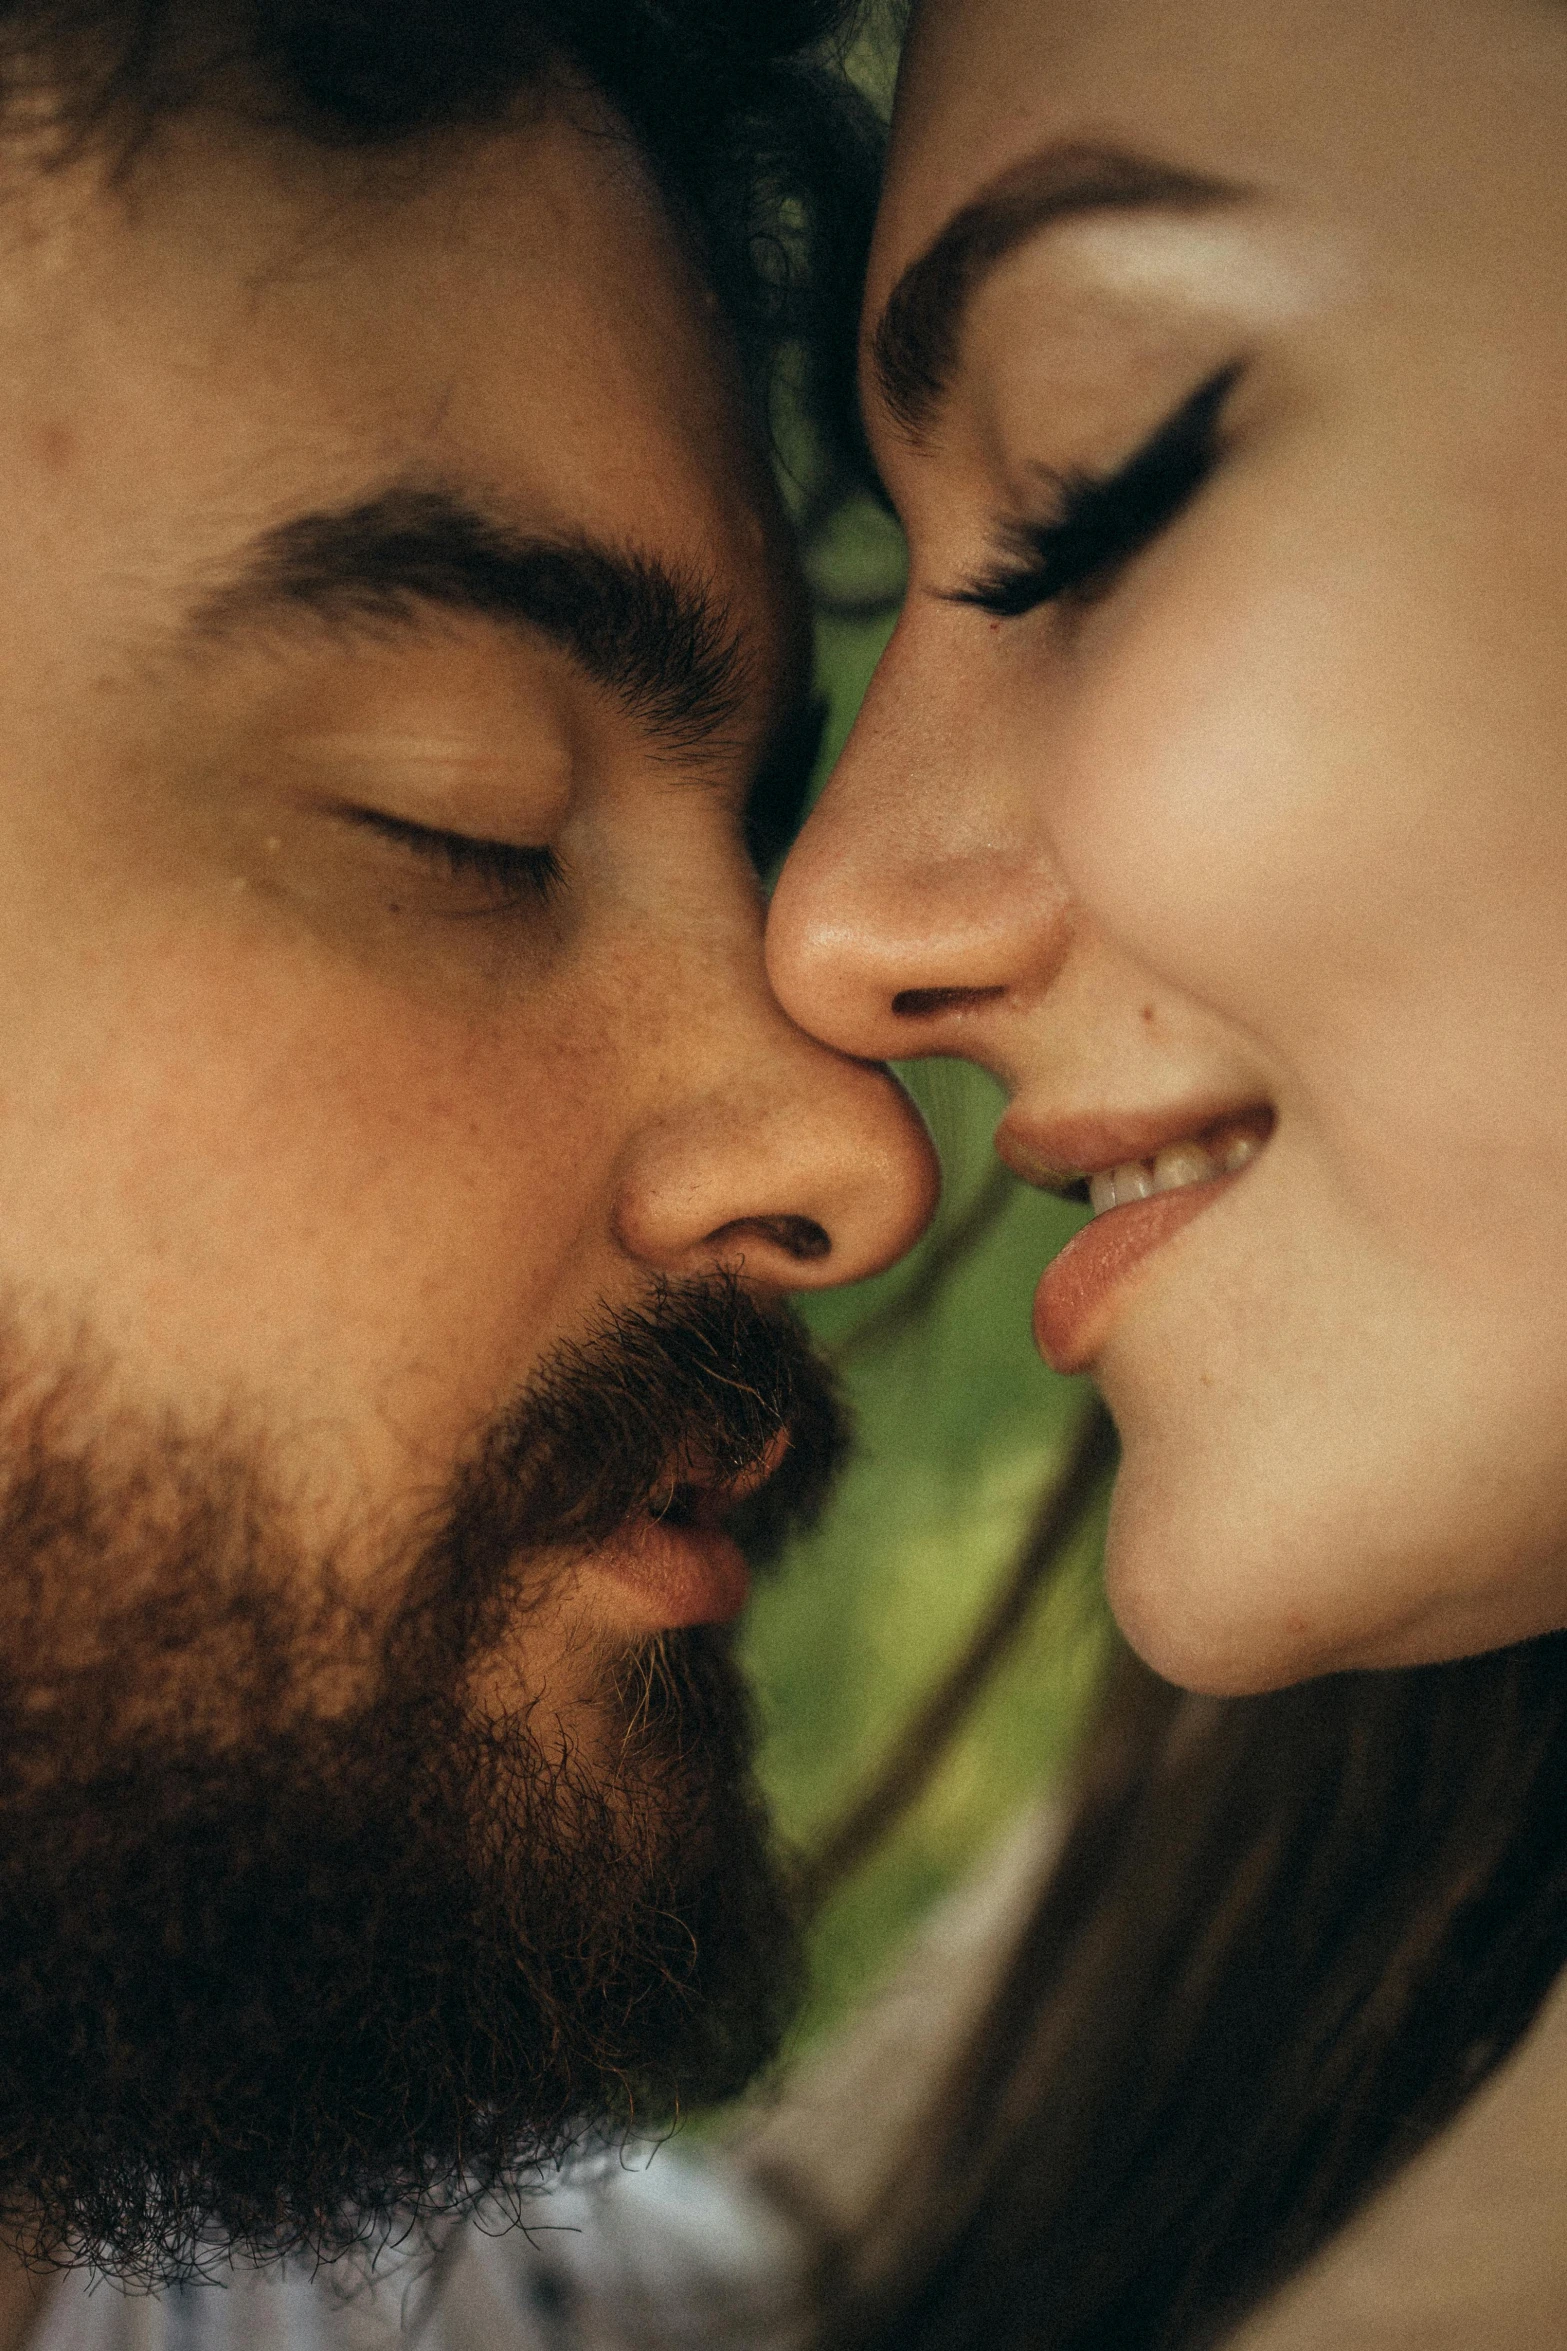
x=924 y=1003
x=799 y=1237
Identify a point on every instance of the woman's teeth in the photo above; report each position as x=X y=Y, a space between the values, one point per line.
x=1172 y=1169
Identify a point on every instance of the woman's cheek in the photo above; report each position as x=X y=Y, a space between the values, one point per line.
x=1233 y=802
x=1299 y=810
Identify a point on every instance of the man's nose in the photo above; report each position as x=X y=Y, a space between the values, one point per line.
x=773 y=1154
x=921 y=911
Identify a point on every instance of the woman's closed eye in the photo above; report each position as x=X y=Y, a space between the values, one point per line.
x=507 y=871
x=1104 y=521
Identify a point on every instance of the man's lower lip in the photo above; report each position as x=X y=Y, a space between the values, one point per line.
x=1078 y=1290
x=678 y=1574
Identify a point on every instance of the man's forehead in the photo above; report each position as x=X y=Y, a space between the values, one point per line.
x=227 y=342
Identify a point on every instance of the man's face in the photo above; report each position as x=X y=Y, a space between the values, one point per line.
x=394 y=624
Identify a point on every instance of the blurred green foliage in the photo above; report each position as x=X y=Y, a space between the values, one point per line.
x=960 y=1425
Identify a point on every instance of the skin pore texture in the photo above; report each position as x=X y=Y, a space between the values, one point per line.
x=403 y=1162
x=1251 y=808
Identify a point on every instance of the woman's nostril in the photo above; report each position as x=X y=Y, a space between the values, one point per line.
x=923 y=1003
x=799 y=1237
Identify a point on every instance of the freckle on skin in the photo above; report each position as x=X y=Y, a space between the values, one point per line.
x=56 y=445
x=1148 y=1012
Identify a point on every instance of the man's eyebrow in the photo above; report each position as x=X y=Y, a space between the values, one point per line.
x=654 y=634
x=915 y=347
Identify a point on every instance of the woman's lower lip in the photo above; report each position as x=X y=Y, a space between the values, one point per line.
x=677 y=1575
x=1078 y=1290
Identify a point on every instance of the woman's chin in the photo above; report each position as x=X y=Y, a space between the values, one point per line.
x=1230 y=1587
x=1230 y=1577
x=1192 y=1635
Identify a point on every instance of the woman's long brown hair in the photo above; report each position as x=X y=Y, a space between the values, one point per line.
x=1287 y=1936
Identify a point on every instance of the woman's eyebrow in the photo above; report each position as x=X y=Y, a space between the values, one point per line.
x=914 y=350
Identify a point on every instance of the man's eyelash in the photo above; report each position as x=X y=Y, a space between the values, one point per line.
x=1105 y=520
x=512 y=870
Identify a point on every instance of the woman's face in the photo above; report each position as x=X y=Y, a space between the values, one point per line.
x=1213 y=789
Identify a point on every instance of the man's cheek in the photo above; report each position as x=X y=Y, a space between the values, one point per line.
x=393 y=1216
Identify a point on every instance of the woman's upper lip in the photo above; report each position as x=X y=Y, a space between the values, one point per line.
x=1053 y=1151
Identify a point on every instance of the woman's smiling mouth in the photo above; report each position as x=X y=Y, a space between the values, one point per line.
x=1138 y=1202
x=1195 y=1160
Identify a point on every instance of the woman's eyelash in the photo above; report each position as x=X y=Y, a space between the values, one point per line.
x=513 y=871
x=1105 y=520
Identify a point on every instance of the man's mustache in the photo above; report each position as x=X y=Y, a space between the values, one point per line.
x=666 y=1408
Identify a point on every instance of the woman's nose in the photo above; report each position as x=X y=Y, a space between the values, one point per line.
x=919 y=912
x=773 y=1154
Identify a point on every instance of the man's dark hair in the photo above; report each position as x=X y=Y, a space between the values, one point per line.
x=762 y=147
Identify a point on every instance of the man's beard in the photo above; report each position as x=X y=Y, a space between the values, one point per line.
x=280 y=1969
